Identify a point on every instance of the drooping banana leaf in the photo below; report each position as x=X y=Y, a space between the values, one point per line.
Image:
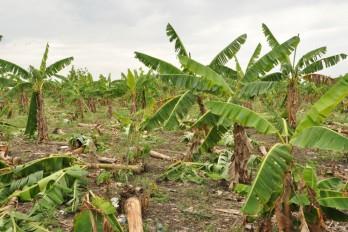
x=170 y=114
x=276 y=76
x=216 y=130
x=58 y=66
x=340 y=203
x=323 y=63
x=161 y=115
x=241 y=115
x=213 y=137
x=180 y=110
x=156 y=64
x=320 y=137
x=329 y=193
x=205 y=71
x=225 y=71
x=269 y=179
x=196 y=83
x=207 y=119
x=325 y=105
x=228 y=52
x=8 y=66
x=257 y=88
x=310 y=57
x=331 y=183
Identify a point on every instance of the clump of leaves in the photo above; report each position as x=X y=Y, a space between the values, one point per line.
x=50 y=182
x=198 y=172
x=123 y=175
x=137 y=153
x=227 y=139
x=187 y=137
x=98 y=215
x=103 y=177
x=79 y=140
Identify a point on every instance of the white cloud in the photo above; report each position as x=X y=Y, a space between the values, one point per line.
x=103 y=35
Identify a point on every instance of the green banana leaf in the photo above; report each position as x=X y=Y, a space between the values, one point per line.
x=269 y=179
x=241 y=115
x=325 y=105
x=206 y=72
x=320 y=137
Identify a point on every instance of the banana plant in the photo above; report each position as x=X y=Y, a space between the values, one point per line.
x=50 y=182
x=254 y=81
x=79 y=88
x=82 y=83
x=204 y=80
x=294 y=70
x=198 y=78
x=19 y=88
x=269 y=192
x=217 y=63
x=37 y=78
x=131 y=84
x=108 y=89
x=142 y=88
x=216 y=79
x=6 y=85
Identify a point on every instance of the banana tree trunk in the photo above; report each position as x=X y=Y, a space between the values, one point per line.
x=91 y=105
x=42 y=130
x=80 y=108
x=109 y=108
x=242 y=148
x=10 y=112
x=201 y=105
x=143 y=102
x=292 y=102
x=134 y=103
x=202 y=110
x=61 y=100
x=23 y=103
x=32 y=116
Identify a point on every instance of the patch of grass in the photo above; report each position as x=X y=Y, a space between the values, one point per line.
x=197 y=192
x=198 y=214
x=160 y=197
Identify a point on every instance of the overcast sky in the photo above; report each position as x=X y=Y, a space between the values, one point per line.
x=103 y=35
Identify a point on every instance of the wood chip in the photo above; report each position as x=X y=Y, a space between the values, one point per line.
x=229 y=211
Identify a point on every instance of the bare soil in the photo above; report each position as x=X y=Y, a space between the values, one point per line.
x=176 y=206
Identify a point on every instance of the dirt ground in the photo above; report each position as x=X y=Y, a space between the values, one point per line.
x=176 y=206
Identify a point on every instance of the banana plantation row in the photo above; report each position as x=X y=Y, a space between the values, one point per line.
x=277 y=94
